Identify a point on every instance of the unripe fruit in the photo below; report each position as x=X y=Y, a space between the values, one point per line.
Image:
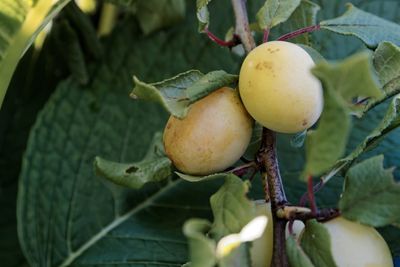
x=213 y=136
x=262 y=248
x=278 y=88
x=357 y=245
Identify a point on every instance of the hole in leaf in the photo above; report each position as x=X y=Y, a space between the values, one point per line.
x=131 y=169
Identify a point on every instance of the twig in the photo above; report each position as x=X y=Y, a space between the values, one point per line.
x=235 y=41
x=266 y=35
x=310 y=190
x=242 y=27
x=299 y=32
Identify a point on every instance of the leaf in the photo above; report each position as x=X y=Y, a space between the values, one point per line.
x=203 y=15
x=72 y=51
x=21 y=21
x=371 y=195
x=231 y=208
x=154 y=167
x=177 y=93
x=316 y=243
x=369 y=28
x=327 y=143
x=191 y=178
x=274 y=12
x=202 y=249
x=235 y=223
x=387 y=65
x=154 y=14
x=342 y=81
x=124 y=3
x=83 y=221
x=390 y=122
x=296 y=255
x=304 y=15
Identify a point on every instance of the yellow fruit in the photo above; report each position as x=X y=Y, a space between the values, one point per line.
x=357 y=245
x=262 y=248
x=278 y=88
x=213 y=136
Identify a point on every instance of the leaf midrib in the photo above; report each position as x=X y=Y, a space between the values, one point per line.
x=116 y=222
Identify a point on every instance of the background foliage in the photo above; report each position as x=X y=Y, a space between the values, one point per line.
x=66 y=214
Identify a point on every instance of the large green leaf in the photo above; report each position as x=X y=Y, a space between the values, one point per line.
x=20 y=22
x=370 y=195
x=371 y=29
x=82 y=220
x=34 y=80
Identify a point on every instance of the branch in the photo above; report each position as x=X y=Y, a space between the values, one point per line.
x=242 y=27
x=268 y=160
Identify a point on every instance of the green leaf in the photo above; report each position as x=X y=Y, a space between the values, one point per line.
x=202 y=249
x=20 y=22
x=274 y=12
x=342 y=81
x=371 y=195
x=316 y=243
x=326 y=144
x=296 y=255
x=390 y=122
x=203 y=15
x=304 y=15
x=177 y=93
x=73 y=55
x=155 y=14
x=369 y=28
x=191 y=178
x=351 y=77
x=387 y=64
x=231 y=208
x=154 y=167
x=208 y=83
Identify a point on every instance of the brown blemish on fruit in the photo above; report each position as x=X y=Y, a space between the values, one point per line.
x=259 y=66
x=304 y=122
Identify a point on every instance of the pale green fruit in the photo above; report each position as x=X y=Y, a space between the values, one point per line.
x=262 y=248
x=278 y=89
x=357 y=245
x=212 y=137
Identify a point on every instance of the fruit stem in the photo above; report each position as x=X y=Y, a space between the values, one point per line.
x=311 y=198
x=242 y=27
x=235 y=41
x=243 y=169
x=299 y=32
x=266 y=35
x=267 y=157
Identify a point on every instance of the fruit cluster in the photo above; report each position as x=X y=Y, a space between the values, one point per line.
x=278 y=90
